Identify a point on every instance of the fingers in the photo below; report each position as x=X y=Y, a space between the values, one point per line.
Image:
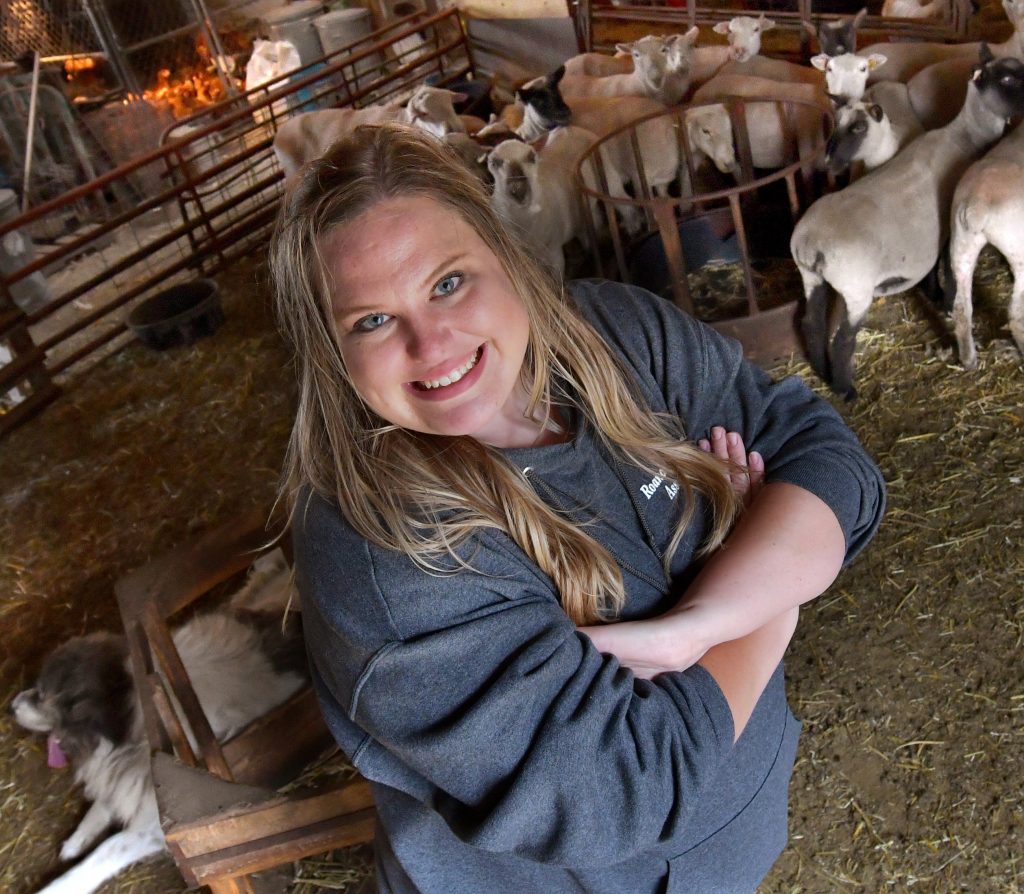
x=747 y=475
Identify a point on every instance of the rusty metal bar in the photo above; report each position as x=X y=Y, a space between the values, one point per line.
x=668 y=229
x=744 y=244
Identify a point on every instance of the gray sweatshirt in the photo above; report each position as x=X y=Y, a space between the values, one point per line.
x=506 y=753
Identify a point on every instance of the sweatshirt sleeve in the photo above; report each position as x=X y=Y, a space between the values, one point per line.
x=686 y=368
x=517 y=731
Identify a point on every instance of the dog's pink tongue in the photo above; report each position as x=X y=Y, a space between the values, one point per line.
x=54 y=756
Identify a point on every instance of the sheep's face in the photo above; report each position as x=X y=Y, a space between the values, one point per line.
x=854 y=125
x=847 y=75
x=544 y=101
x=679 y=51
x=744 y=33
x=650 y=59
x=513 y=165
x=709 y=131
x=1001 y=85
x=433 y=110
x=431 y=330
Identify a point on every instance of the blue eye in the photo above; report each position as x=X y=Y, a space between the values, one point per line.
x=448 y=285
x=371 y=322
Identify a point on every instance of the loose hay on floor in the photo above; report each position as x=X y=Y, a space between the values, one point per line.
x=907 y=674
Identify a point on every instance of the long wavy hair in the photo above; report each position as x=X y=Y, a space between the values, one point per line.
x=424 y=495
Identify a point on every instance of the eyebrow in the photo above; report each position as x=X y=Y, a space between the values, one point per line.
x=430 y=279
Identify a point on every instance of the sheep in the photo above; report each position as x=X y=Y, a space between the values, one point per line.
x=914 y=9
x=744 y=41
x=846 y=76
x=937 y=92
x=545 y=109
x=988 y=208
x=872 y=130
x=907 y=59
x=838 y=37
x=883 y=234
x=771 y=145
x=309 y=135
x=745 y=37
x=600 y=65
x=650 y=76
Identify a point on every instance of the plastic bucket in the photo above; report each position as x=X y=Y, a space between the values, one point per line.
x=178 y=316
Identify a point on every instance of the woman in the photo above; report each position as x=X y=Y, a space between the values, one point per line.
x=484 y=470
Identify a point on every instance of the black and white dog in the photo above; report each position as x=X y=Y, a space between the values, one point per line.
x=240 y=664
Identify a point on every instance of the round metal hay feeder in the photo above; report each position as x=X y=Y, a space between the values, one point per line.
x=178 y=316
x=740 y=224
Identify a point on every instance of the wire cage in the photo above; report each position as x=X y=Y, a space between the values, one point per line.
x=668 y=240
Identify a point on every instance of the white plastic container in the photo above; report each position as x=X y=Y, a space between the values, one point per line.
x=294 y=23
x=341 y=27
x=17 y=250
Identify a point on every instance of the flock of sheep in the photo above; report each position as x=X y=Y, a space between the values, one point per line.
x=918 y=116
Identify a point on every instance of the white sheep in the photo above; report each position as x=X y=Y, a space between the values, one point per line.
x=544 y=108
x=309 y=135
x=651 y=76
x=988 y=209
x=779 y=132
x=874 y=129
x=883 y=233
x=745 y=37
x=905 y=58
x=846 y=76
x=703 y=63
x=534 y=190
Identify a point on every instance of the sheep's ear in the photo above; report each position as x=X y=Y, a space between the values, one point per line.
x=459 y=97
x=857 y=19
x=624 y=48
x=837 y=99
x=876 y=112
x=721 y=28
x=876 y=60
x=556 y=75
x=483 y=158
x=820 y=61
x=766 y=24
x=691 y=36
x=984 y=53
x=809 y=28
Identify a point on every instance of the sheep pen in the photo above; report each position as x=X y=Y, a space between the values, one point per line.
x=906 y=674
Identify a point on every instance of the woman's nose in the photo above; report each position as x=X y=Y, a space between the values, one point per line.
x=428 y=339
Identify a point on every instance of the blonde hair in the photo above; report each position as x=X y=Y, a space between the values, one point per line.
x=424 y=495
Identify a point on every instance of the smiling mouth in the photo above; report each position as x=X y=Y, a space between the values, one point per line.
x=450 y=378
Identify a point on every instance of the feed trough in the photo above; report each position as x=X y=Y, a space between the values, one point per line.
x=178 y=316
x=744 y=225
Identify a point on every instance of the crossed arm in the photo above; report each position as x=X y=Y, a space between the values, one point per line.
x=738 y=615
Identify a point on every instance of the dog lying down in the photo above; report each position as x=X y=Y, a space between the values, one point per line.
x=241 y=665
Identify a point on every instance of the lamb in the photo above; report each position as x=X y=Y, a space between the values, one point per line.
x=535 y=191
x=988 y=208
x=838 y=37
x=703 y=63
x=772 y=126
x=309 y=135
x=545 y=109
x=650 y=76
x=747 y=59
x=907 y=59
x=884 y=233
x=846 y=76
x=867 y=131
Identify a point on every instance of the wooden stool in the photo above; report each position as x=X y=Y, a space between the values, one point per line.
x=220 y=814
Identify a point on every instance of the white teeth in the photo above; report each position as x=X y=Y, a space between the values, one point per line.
x=452 y=377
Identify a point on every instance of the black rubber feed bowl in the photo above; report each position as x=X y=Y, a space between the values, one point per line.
x=178 y=316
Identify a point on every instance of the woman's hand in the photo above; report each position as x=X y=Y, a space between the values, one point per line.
x=747 y=475
x=654 y=646
x=675 y=641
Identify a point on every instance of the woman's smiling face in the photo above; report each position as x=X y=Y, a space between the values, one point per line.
x=431 y=329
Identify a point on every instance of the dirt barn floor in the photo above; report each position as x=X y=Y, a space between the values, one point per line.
x=907 y=674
